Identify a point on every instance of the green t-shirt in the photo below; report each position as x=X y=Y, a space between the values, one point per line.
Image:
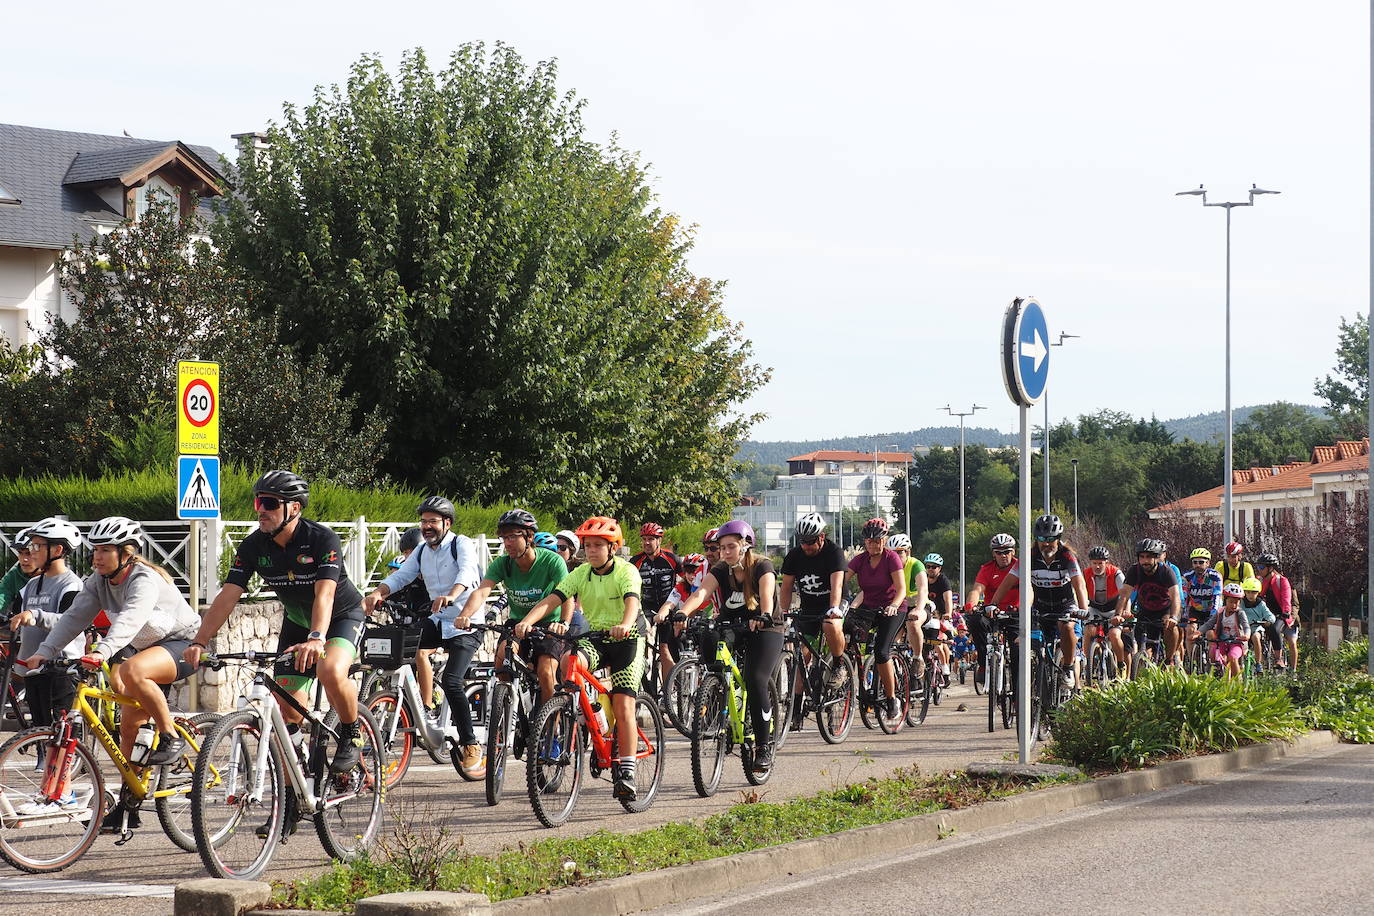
x=602 y=596
x=10 y=586
x=914 y=568
x=526 y=589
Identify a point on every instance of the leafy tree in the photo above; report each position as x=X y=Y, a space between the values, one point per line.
x=1277 y=432
x=756 y=477
x=1347 y=391
x=935 y=486
x=452 y=247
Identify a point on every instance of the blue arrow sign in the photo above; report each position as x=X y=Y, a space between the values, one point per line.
x=197 y=486
x=1025 y=351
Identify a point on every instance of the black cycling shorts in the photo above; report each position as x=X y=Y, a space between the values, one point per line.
x=347 y=627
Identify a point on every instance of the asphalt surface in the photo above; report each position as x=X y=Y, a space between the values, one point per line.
x=1294 y=837
x=121 y=878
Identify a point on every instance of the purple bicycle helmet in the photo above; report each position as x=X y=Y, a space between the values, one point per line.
x=740 y=529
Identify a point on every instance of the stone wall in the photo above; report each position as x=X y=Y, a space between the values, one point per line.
x=254 y=625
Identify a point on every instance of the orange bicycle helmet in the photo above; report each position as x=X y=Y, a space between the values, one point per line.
x=601 y=526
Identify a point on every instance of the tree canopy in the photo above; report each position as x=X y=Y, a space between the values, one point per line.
x=1346 y=392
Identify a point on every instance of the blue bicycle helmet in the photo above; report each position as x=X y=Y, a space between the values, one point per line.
x=545 y=540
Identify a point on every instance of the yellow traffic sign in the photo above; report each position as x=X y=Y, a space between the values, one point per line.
x=197 y=408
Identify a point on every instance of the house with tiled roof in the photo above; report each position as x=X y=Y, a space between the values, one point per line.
x=1264 y=496
x=58 y=185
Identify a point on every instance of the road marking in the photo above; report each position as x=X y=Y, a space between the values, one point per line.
x=71 y=886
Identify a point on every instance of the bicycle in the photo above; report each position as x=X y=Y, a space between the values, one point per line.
x=11 y=688
x=253 y=781
x=1148 y=652
x=686 y=677
x=721 y=718
x=1002 y=630
x=513 y=692
x=927 y=689
x=870 y=693
x=566 y=738
x=1100 y=668
x=52 y=791
x=1050 y=685
x=833 y=695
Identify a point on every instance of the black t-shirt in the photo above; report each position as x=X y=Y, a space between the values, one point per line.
x=732 y=595
x=314 y=553
x=657 y=576
x=812 y=574
x=1151 y=589
x=935 y=591
x=1052 y=580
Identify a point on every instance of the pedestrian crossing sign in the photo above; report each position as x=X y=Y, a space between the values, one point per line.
x=197 y=486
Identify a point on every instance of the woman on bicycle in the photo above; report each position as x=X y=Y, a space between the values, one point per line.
x=1258 y=613
x=41 y=604
x=1231 y=628
x=918 y=617
x=151 y=625
x=608 y=587
x=747 y=587
x=1277 y=593
x=882 y=586
x=1057 y=588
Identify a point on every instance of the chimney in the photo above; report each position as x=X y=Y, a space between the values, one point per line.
x=253 y=143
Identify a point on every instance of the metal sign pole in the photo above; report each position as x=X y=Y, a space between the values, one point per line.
x=1024 y=646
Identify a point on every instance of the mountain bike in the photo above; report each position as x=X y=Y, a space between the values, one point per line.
x=565 y=739
x=859 y=648
x=928 y=688
x=831 y=693
x=721 y=720
x=686 y=676
x=514 y=694
x=1149 y=651
x=1002 y=630
x=1050 y=684
x=52 y=789
x=254 y=780
x=1100 y=667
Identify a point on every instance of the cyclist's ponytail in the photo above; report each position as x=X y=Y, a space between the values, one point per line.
x=128 y=554
x=751 y=598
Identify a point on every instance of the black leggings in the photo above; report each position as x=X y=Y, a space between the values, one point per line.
x=885 y=628
x=758 y=653
x=460 y=650
x=47 y=693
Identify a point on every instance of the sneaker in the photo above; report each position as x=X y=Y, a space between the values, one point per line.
x=349 y=751
x=835 y=676
x=920 y=669
x=473 y=765
x=624 y=778
x=891 y=708
x=115 y=821
x=763 y=759
x=169 y=748
x=69 y=802
x=944 y=669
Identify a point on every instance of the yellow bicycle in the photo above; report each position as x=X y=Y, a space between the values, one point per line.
x=52 y=791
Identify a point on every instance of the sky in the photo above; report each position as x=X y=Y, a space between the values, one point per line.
x=876 y=181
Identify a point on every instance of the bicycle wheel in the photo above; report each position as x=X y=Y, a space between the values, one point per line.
x=397 y=732
x=172 y=788
x=778 y=725
x=869 y=690
x=649 y=749
x=782 y=706
x=682 y=687
x=352 y=812
x=500 y=737
x=994 y=674
x=237 y=814
x=1037 y=692
x=553 y=765
x=893 y=724
x=710 y=735
x=40 y=836
x=838 y=700
x=916 y=689
x=936 y=677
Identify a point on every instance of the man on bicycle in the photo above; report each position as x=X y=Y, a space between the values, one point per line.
x=1104 y=582
x=814 y=571
x=658 y=571
x=1235 y=568
x=1057 y=588
x=1156 y=594
x=989 y=578
x=302 y=562
x=1202 y=589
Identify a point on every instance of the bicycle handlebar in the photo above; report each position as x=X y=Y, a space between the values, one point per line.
x=215 y=661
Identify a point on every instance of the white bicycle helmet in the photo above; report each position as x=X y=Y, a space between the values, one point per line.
x=571 y=538
x=899 y=542
x=1002 y=542
x=114 y=531
x=57 y=531
x=21 y=539
x=810 y=525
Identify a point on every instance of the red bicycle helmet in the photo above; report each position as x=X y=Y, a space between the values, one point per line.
x=650 y=530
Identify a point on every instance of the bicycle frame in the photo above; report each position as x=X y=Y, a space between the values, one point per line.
x=736 y=696
x=577 y=679
x=405 y=683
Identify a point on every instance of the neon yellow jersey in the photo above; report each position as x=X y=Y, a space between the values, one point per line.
x=914 y=568
x=602 y=595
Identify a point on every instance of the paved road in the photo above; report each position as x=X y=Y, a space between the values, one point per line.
x=1291 y=838
x=150 y=864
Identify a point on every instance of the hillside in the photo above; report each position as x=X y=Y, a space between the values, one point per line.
x=1205 y=426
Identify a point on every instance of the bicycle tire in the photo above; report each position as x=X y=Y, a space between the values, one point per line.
x=347 y=830
x=386 y=706
x=916 y=688
x=554 y=760
x=900 y=686
x=1037 y=673
x=222 y=813
x=174 y=811
x=835 y=713
x=710 y=735
x=683 y=684
x=782 y=706
x=500 y=736
x=993 y=673
x=20 y=781
x=648 y=728
x=935 y=674
x=868 y=690
x=751 y=775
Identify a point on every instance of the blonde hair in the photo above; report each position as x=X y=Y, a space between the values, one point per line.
x=129 y=552
x=751 y=600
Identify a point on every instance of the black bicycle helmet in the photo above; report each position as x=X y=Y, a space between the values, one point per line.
x=1267 y=559
x=410 y=539
x=284 y=485
x=517 y=518
x=1150 y=545
x=438 y=505
x=1047 y=527
x=1099 y=553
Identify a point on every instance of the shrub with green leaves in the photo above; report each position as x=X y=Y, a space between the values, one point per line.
x=1347 y=709
x=1169 y=713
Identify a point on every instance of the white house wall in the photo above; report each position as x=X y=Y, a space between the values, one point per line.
x=29 y=290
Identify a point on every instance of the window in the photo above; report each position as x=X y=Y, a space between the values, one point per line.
x=6 y=197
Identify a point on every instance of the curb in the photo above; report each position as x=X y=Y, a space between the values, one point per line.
x=682 y=883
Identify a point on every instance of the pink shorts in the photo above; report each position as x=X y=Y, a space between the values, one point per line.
x=1223 y=650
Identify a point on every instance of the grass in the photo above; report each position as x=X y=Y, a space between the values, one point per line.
x=556 y=862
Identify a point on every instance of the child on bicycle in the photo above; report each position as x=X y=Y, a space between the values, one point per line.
x=1231 y=627
x=42 y=601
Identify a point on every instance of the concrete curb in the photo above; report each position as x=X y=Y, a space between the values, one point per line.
x=679 y=884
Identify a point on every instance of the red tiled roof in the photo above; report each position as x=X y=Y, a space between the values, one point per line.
x=893 y=457
x=1343 y=457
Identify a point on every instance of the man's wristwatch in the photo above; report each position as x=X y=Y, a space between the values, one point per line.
x=315 y=634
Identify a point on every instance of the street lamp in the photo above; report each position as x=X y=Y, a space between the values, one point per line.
x=892 y=447
x=1045 y=440
x=1200 y=191
x=968 y=413
x=1074 y=462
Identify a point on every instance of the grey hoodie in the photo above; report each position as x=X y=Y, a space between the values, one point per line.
x=144 y=610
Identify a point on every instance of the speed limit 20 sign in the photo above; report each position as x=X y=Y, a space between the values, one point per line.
x=197 y=408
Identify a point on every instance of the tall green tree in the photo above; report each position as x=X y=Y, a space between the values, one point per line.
x=1277 y=432
x=1346 y=391
x=505 y=290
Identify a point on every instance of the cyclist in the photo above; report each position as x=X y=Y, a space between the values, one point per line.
x=1232 y=629
x=609 y=589
x=1104 y=582
x=1057 y=588
x=814 y=571
x=1277 y=593
x=745 y=583
x=15 y=577
x=529 y=574
x=658 y=572
x=150 y=627
x=989 y=578
x=1259 y=615
x=1235 y=568
x=940 y=594
x=414 y=598
x=448 y=564
x=710 y=545
x=1152 y=589
x=917 y=594
x=41 y=603
x=302 y=562
x=882 y=586
x=1202 y=588
x=567 y=547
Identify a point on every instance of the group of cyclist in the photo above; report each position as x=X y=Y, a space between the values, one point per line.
x=601 y=605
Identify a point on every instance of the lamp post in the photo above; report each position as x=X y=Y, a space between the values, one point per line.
x=892 y=446
x=1074 y=462
x=1200 y=191
x=1045 y=440
x=968 y=413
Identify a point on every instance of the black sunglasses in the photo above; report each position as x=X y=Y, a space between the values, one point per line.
x=809 y=540
x=1003 y=553
x=1199 y=562
x=267 y=503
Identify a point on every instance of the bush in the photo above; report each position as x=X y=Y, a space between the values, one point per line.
x=1169 y=713
x=1347 y=709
